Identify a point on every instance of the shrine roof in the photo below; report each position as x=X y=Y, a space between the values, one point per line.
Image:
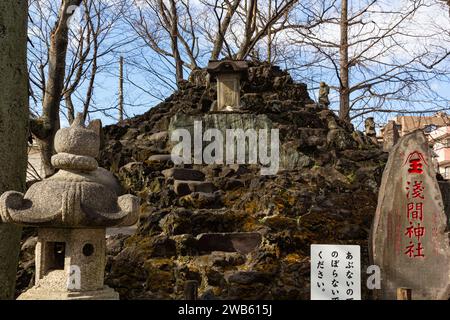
x=227 y=66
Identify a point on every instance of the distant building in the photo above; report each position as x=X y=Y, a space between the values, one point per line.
x=406 y=124
x=441 y=146
x=437 y=128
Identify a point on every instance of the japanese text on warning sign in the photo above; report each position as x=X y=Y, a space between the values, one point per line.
x=335 y=272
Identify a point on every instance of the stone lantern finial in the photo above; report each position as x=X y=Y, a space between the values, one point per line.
x=76 y=147
x=71 y=210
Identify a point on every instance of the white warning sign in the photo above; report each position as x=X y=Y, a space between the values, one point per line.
x=335 y=272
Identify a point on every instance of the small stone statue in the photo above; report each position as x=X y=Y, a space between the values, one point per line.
x=324 y=91
x=369 y=125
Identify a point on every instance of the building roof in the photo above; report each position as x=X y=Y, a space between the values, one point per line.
x=410 y=123
x=440 y=133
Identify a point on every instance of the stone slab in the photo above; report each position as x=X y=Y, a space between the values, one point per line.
x=184 y=174
x=160 y=158
x=184 y=187
x=159 y=136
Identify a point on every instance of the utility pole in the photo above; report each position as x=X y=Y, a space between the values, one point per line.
x=121 y=89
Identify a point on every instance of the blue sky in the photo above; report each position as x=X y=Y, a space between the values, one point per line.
x=143 y=90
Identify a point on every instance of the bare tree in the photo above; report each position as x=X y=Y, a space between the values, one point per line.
x=183 y=36
x=65 y=62
x=45 y=127
x=380 y=60
x=243 y=25
x=258 y=26
x=223 y=23
x=448 y=3
x=168 y=30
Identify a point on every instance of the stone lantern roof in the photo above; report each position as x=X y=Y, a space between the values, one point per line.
x=79 y=195
x=227 y=66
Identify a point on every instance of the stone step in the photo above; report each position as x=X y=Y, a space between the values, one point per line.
x=160 y=158
x=242 y=242
x=234 y=169
x=184 y=187
x=249 y=277
x=279 y=222
x=232 y=184
x=184 y=174
x=224 y=259
x=159 y=136
x=201 y=200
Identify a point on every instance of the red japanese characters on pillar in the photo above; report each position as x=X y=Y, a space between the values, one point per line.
x=415 y=231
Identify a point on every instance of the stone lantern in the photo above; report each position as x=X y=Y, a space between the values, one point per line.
x=228 y=74
x=71 y=210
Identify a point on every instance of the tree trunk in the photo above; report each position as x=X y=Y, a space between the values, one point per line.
x=222 y=30
x=344 y=90
x=13 y=127
x=174 y=42
x=250 y=26
x=69 y=106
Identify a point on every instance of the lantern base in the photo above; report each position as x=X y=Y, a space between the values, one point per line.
x=39 y=293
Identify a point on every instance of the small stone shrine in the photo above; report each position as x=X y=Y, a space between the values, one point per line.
x=228 y=74
x=409 y=241
x=71 y=210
